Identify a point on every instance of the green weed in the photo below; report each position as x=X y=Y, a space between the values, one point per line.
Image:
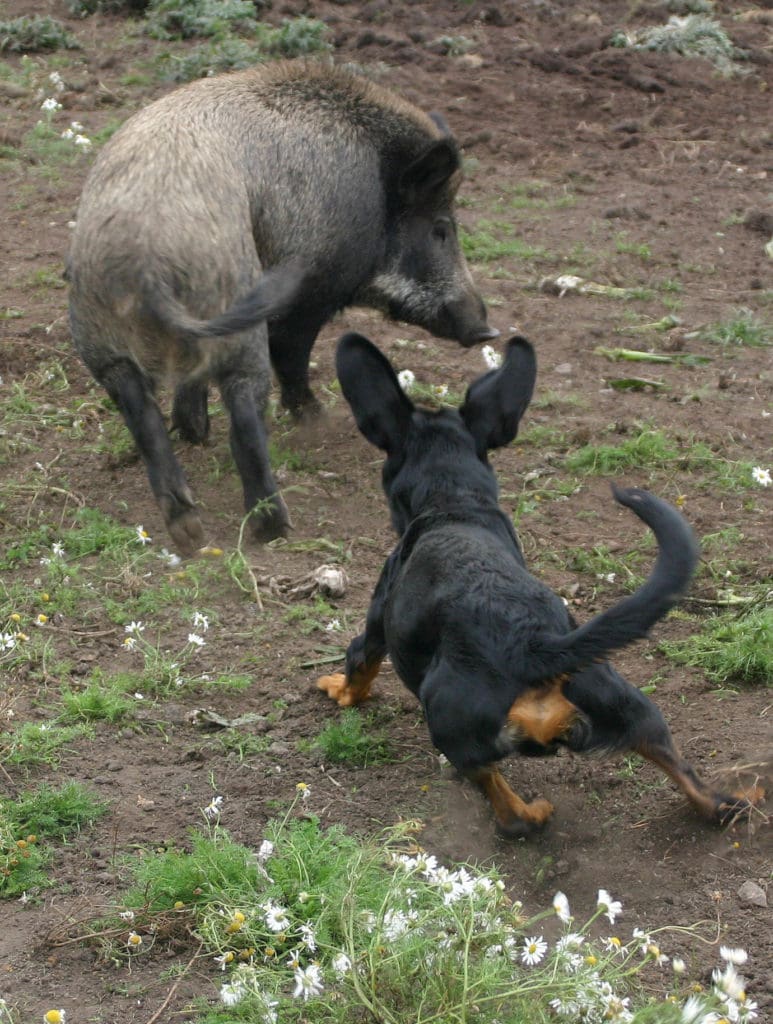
x=692 y=36
x=320 y=926
x=33 y=743
x=745 y=328
x=175 y=19
x=730 y=648
x=353 y=739
x=640 y=249
x=483 y=245
x=598 y=561
x=101 y=700
x=647 y=450
x=30 y=823
x=29 y=35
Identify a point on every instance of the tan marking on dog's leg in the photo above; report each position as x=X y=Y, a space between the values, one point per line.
x=510 y=810
x=347 y=692
x=542 y=713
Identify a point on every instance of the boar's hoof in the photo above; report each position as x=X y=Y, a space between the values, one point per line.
x=186 y=532
x=268 y=524
x=306 y=411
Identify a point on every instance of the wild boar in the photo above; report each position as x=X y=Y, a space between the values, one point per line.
x=233 y=218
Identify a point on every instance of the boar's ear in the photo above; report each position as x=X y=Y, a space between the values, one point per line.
x=381 y=408
x=495 y=402
x=428 y=173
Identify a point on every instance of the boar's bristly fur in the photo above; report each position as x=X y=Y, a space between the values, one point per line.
x=233 y=218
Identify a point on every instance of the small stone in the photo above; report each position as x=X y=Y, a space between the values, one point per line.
x=564 y=368
x=752 y=895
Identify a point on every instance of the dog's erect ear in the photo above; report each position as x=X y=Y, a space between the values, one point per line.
x=370 y=385
x=495 y=402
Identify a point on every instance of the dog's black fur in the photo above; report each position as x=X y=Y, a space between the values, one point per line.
x=468 y=629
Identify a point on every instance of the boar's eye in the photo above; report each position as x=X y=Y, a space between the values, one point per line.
x=441 y=229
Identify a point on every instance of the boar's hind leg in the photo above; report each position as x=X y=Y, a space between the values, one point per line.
x=132 y=393
x=290 y=342
x=189 y=412
x=249 y=446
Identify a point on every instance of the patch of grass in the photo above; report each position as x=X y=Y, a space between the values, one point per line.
x=30 y=823
x=730 y=648
x=648 y=449
x=744 y=328
x=353 y=739
x=101 y=700
x=318 y=616
x=640 y=249
x=652 y=449
x=533 y=195
x=295 y=37
x=694 y=35
x=359 y=928
x=33 y=743
x=599 y=562
x=187 y=19
x=486 y=244
x=31 y=35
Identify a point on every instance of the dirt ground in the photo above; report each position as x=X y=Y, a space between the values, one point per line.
x=653 y=151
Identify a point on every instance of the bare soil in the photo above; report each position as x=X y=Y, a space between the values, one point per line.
x=656 y=151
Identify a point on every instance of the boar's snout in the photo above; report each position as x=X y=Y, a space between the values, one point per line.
x=466 y=322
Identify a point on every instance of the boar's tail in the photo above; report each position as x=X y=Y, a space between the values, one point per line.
x=276 y=290
x=632 y=618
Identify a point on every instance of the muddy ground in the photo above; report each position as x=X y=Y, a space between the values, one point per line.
x=623 y=150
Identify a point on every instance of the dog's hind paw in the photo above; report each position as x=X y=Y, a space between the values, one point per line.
x=738 y=805
x=536 y=816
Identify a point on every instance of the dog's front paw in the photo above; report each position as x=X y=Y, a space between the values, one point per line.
x=532 y=818
x=338 y=689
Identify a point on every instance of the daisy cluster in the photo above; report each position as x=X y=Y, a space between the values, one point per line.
x=157 y=662
x=446 y=932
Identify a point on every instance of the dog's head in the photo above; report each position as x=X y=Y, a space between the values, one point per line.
x=431 y=455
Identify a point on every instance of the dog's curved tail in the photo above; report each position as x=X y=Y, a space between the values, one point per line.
x=551 y=655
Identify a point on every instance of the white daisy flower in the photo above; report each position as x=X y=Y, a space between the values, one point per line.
x=232 y=992
x=612 y=908
x=308 y=937
x=50 y=105
x=265 y=850
x=213 y=808
x=491 y=357
x=276 y=917
x=196 y=640
x=308 y=982
x=533 y=950
x=761 y=476
x=341 y=965
x=733 y=956
x=561 y=907
x=407 y=379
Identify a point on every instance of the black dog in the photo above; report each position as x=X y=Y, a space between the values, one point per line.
x=492 y=654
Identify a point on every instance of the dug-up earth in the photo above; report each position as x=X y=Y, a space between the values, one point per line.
x=639 y=170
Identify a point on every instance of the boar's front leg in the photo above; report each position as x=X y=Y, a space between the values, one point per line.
x=132 y=393
x=290 y=341
x=190 y=416
x=245 y=400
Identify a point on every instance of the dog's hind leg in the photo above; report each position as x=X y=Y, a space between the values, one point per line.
x=514 y=817
x=722 y=808
x=362 y=665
